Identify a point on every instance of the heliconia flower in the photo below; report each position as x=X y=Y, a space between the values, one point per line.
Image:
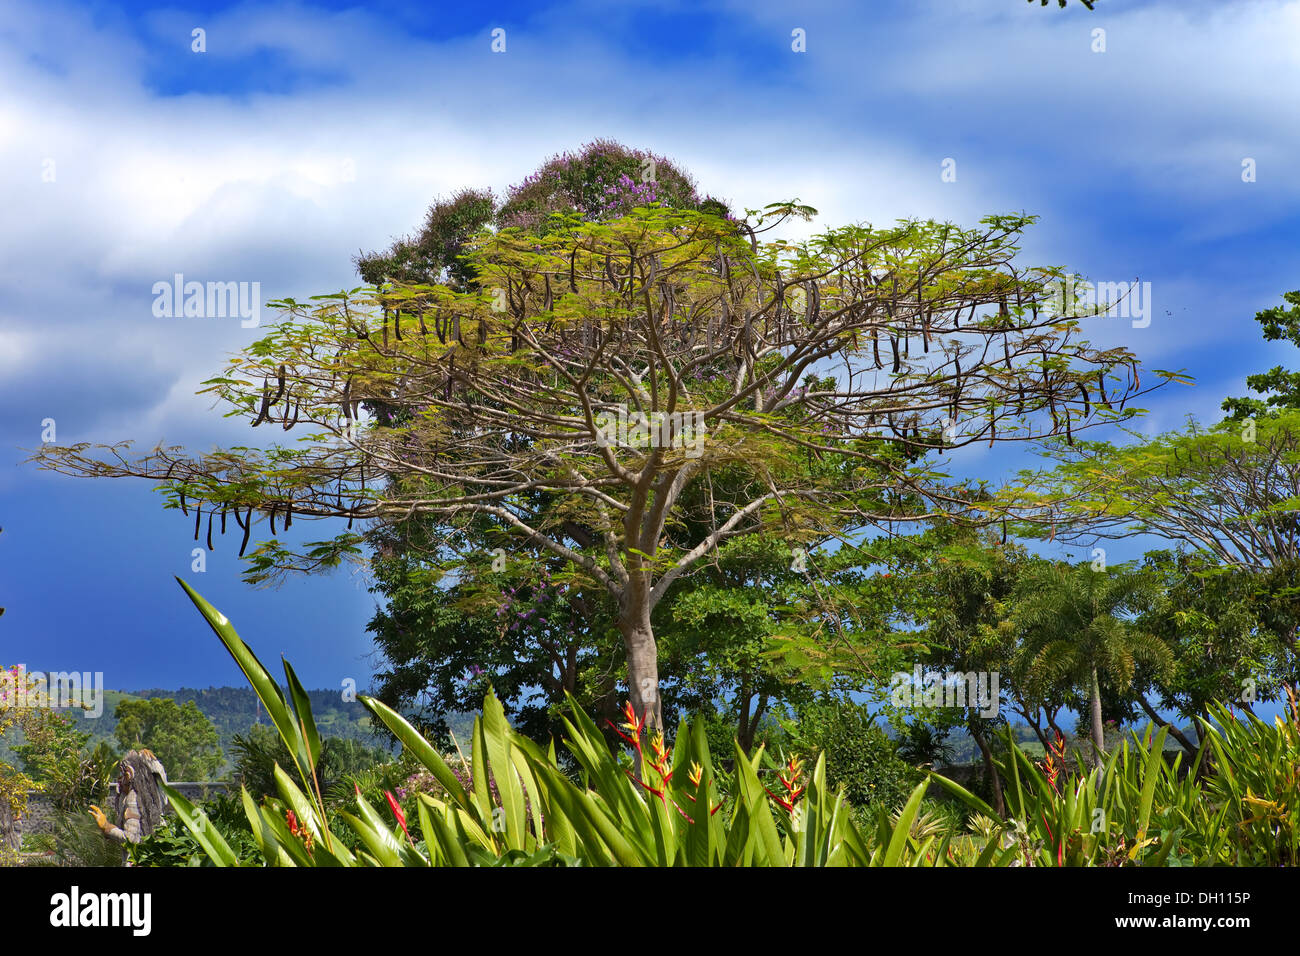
x=1054 y=760
x=301 y=832
x=397 y=812
x=661 y=755
x=695 y=774
x=632 y=724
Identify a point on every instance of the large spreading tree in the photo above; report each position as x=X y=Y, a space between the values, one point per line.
x=600 y=378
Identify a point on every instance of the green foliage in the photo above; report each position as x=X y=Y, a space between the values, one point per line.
x=1280 y=388
x=182 y=737
x=56 y=755
x=602 y=180
x=260 y=750
x=1141 y=808
x=1231 y=631
x=1257 y=785
x=450 y=627
x=1231 y=489
x=668 y=812
x=859 y=755
x=668 y=808
x=1076 y=634
x=172 y=844
x=79 y=842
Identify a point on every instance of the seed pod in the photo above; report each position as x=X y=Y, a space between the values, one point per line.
x=248 y=527
x=288 y=516
x=210 y=548
x=198 y=519
x=266 y=402
x=185 y=511
x=279 y=386
x=223 y=519
x=272 y=521
x=893 y=343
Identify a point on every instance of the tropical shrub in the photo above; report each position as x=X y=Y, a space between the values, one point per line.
x=172 y=844
x=510 y=803
x=860 y=757
x=665 y=810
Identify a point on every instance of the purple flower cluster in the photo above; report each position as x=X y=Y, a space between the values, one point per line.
x=625 y=195
x=537 y=601
x=580 y=182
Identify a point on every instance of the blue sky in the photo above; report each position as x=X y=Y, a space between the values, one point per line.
x=309 y=131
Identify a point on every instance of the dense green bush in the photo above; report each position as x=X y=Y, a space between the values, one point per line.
x=518 y=807
x=172 y=844
x=258 y=751
x=860 y=757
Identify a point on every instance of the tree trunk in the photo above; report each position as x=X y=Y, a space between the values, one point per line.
x=1159 y=721
x=1098 y=732
x=642 y=661
x=11 y=829
x=991 y=769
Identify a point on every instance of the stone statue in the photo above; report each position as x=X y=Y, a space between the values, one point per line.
x=140 y=801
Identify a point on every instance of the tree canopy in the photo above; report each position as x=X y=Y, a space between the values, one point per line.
x=627 y=395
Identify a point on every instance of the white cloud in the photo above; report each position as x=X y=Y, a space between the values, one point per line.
x=284 y=188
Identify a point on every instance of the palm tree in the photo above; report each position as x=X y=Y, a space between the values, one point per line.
x=1075 y=626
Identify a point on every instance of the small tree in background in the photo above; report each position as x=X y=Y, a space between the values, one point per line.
x=182 y=737
x=1076 y=631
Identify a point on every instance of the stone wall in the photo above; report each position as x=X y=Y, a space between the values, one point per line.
x=41 y=814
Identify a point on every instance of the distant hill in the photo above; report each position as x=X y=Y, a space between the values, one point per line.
x=234 y=709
